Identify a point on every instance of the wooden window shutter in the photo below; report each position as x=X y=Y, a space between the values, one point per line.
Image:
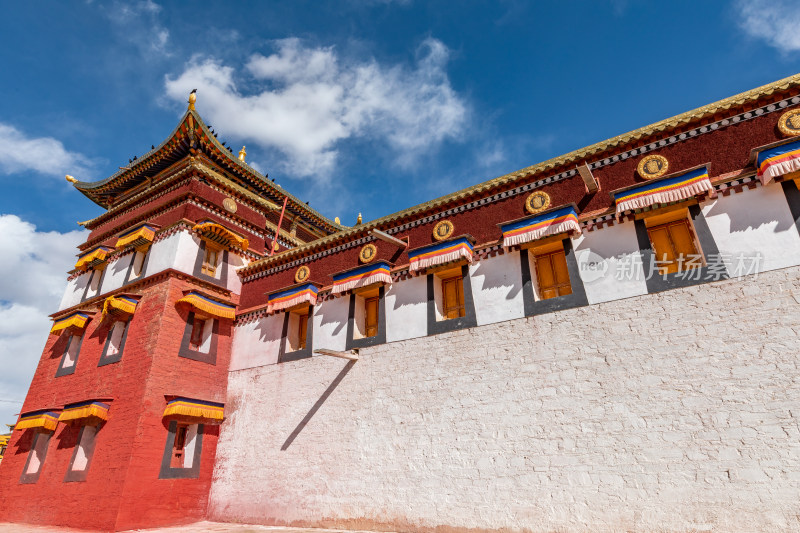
x=453 y=297
x=302 y=328
x=371 y=318
x=553 y=275
x=673 y=245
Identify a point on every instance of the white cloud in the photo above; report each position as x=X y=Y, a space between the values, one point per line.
x=140 y=25
x=774 y=21
x=32 y=281
x=44 y=155
x=305 y=101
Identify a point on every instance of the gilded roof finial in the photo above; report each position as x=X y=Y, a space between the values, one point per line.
x=242 y=154
x=71 y=179
x=337 y=220
x=359 y=220
x=192 y=99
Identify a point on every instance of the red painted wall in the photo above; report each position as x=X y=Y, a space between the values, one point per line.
x=122 y=489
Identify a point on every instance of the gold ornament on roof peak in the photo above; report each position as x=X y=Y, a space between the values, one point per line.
x=359 y=219
x=242 y=154
x=337 y=220
x=71 y=179
x=192 y=99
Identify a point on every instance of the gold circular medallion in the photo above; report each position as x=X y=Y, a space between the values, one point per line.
x=537 y=202
x=442 y=230
x=229 y=204
x=789 y=123
x=653 y=166
x=368 y=253
x=302 y=274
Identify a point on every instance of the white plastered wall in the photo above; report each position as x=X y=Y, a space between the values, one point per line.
x=754 y=222
x=74 y=291
x=497 y=288
x=406 y=309
x=610 y=264
x=116 y=270
x=330 y=323
x=257 y=343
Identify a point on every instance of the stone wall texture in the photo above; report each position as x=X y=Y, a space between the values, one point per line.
x=675 y=411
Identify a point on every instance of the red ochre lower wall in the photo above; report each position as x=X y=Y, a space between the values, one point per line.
x=122 y=489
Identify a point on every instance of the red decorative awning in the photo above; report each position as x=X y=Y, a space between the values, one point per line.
x=440 y=254
x=778 y=161
x=552 y=222
x=664 y=190
x=362 y=276
x=284 y=299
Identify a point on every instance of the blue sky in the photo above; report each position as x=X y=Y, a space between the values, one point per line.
x=357 y=106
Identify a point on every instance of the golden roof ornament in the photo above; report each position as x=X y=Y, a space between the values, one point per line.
x=242 y=154
x=337 y=220
x=71 y=179
x=192 y=99
x=359 y=219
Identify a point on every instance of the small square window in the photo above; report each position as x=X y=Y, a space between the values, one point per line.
x=202 y=330
x=366 y=314
x=298 y=329
x=183 y=449
x=200 y=338
x=211 y=259
x=674 y=245
x=449 y=293
x=549 y=269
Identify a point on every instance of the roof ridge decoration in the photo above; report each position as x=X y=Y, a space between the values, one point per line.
x=187 y=129
x=576 y=156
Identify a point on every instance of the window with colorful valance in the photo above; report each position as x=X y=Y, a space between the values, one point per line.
x=87 y=412
x=441 y=253
x=141 y=235
x=220 y=235
x=208 y=306
x=672 y=188
x=194 y=410
x=77 y=320
x=363 y=276
x=552 y=222
x=93 y=258
x=46 y=419
x=295 y=295
x=120 y=304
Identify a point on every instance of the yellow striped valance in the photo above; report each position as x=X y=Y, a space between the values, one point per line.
x=77 y=319
x=208 y=306
x=200 y=410
x=138 y=236
x=93 y=257
x=120 y=304
x=46 y=419
x=221 y=235
x=88 y=411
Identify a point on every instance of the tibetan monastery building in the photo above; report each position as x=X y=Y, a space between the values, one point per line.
x=605 y=341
